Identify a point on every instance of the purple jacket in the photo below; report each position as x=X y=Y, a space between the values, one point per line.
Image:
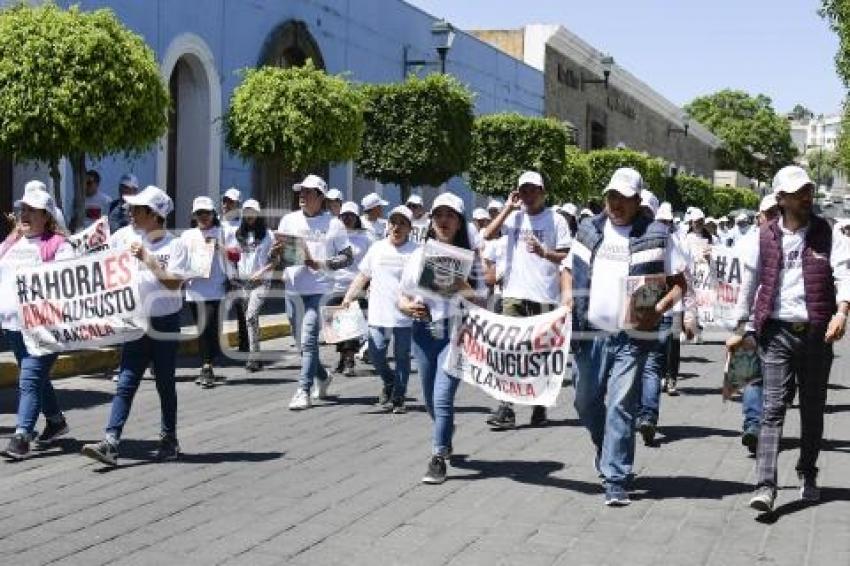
x=818 y=281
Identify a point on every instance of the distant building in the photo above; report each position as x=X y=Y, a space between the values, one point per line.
x=733 y=179
x=816 y=132
x=629 y=113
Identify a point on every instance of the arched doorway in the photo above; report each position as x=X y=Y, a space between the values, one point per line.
x=189 y=159
x=289 y=45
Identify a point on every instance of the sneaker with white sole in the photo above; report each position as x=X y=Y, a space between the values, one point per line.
x=104 y=452
x=436 y=473
x=300 y=401
x=320 y=387
x=616 y=496
x=763 y=499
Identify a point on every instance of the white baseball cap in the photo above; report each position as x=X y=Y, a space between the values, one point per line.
x=129 y=180
x=665 y=212
x=349 y=207
x=35 y=197
x=710 y=220
x=480 y=214
x=35 y=185
x=696 y=214
x=202 y=203
x=415 y=199
x=232 y=194
x=585 y=212
x=791 y=179
x=495 y=203
x=450 y=200
x=312 y=182
x=403 y=210
x=253 y=204
x=742 y=218
x=372 y=200
x=154 y=198
x=649 y=200
x=625 y=181
x=724 y=218
x=570 y=209
x=334 y=194
x=768 y=202
x=530 y=178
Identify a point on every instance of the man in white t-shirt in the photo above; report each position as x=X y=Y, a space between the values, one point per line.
x=610 y=253
x=421 y=220
x=97 y=203
x=538 y=239
x=373 y=215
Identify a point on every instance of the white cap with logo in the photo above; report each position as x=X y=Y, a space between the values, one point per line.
x=791 y=179
x=530 y=178
x=403 y=211
x=154 y=198
x=232 y=194
x=312 y=182
x=768 y=202
x=625 y=181
x=665 y=212
x=450 y=200
x=202 y=203
x=349 y=207
x=334 y=194
x=372 y=200
x=36 y=196
x=480 y=214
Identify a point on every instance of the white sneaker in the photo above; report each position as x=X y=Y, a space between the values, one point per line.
x=320 y=387
x=300 y=401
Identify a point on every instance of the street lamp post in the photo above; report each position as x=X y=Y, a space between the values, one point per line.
x=442 y=38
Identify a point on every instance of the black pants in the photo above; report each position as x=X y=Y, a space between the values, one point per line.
x=674 y=348
x=241 y=325
x=206 y=318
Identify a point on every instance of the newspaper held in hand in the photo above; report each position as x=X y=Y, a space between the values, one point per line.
x=444 y=267
x=742 y=367
x=293 y=251
x=340 y=324
x=640 y=293
x=201 y=252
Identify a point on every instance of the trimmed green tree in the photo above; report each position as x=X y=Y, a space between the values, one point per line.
x=505 y=145
x=300 y=117
x=603 y=163
x=73 y=85
x=576 y=183
x=418 y=132
x=694 y=191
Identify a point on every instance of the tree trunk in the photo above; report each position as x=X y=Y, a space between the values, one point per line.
x=56 y=176
x=78 y=172
x=405 y=191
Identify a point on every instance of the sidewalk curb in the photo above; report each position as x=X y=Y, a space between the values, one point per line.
x=106 y=359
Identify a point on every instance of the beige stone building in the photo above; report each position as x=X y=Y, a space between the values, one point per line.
x=627 y=112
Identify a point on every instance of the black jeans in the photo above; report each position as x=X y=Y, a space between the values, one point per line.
x=206 y=318
x=674 y=347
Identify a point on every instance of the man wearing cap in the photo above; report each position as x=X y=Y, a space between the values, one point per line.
x=494 y=207
x=230 y=207
x=618 y=243
x=373 y=215
x=163 y=267
x=739 y=230
x=421 y=220
x=538 y=240
x=313 y=234
x=119 y=210
x=333 y=201
x=481 y=218
x=96 y=204
x=797 y=287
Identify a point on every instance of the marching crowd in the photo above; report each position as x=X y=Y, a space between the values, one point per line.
x=529 y=259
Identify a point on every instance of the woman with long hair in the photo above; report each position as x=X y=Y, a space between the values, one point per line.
x=35 y=239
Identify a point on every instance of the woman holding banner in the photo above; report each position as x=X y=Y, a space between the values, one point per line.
x=432 y=329
x=36 y=239
x=205 y=289
x=163 y=266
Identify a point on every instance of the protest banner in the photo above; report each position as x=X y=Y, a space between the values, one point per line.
x=716 y=285
x=91 y=240
x=518 y=360
x=443 y=267
x=340 y=324
x=87 y=302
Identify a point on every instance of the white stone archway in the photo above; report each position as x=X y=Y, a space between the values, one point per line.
x=189 y=68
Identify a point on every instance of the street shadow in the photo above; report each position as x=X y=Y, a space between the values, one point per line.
x=685 y=487
x=837 y=408
x=142 y=453
x=686 y=432
x=258 y=381
x=69 y=399
x=836 y=386
x=687 y=375
x=828 y=445
x=699 y=390
x=694 y=360
x=533 y=473
x=550 y=423
x=827 y=495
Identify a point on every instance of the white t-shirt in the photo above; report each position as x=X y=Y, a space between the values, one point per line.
x=610 y=269
x=529 y=276
x=495 y=251
x=419 y=229
x=211 y=288
x=384 y=264
x=325 y=237
x=253 y=255
x=378 y=228
x=171 y=254
x=360 y=242
x=97 y=205
x=23 y=253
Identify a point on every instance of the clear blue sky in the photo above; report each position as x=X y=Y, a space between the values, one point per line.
x=685 y=48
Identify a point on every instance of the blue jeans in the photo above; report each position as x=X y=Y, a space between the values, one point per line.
x=303 y=312
x=135 y=358
x=654 y=369
x=609 y=367
x=35 y=392
x=430 y=348
x=379 y=341
x=751 y=405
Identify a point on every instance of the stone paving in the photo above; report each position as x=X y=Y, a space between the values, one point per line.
x=340 y=483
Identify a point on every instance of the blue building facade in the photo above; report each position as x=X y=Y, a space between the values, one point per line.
x=202 y=45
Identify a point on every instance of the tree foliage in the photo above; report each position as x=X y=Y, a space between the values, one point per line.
x=576 y=183
x=603 y=163
x=299 y=116
x=842 y=146
x=756 y=140
x=76 y=84
x=837 y=13
x=822 y=166
x=800 y=112
x=418 y=132
x=694 y=191
x=505 y=145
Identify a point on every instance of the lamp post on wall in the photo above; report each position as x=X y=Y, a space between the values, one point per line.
x=442 y=38
x=686 y=124
x=607 y=63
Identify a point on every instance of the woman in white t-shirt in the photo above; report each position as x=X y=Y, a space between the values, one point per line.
x=35 y=240
x=252 y=270
x=382 y=268
x=204 y=294
x=432 y=330
x=163 y=266
x=315 y=245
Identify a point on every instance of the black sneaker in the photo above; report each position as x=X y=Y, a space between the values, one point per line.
x=503 y=418
x=436 y=473
x=104 y=452
x=169 y=448
x=398 y=407
x=385 y=397
x=252 y=367
x=538 y=416
x=18 y=447
x=51 y=432
x=207 y=377
x=750 y=439
x=647 y=432
x=671 y=386
x=340 y=366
